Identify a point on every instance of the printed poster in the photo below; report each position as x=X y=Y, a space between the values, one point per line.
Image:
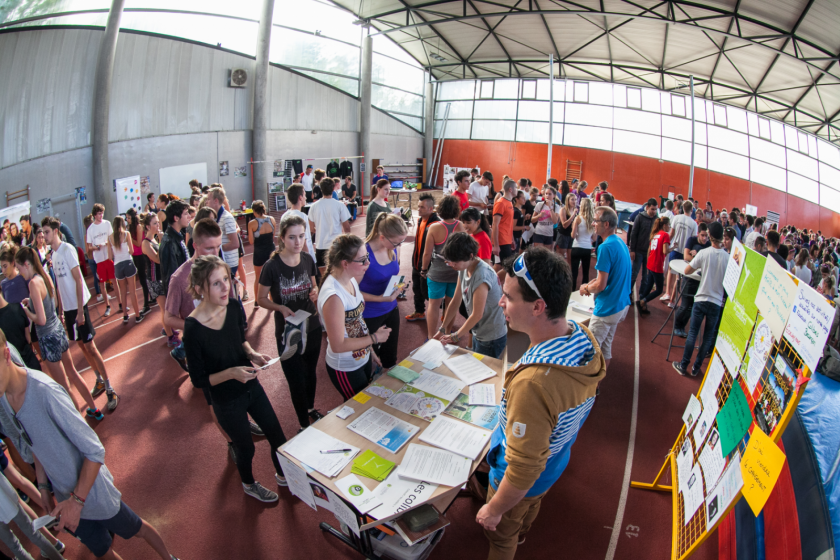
x=128 y=194
x=750 y=279
x=734 y=332
x=809 y=324
x=240 y=171
x=725 y=492
x=279 y=168
x=757 y=353
x=733 y=268
x=482 y=416
x=224 y=169
x=776 y=293
x=775 y=393
x=415 y=402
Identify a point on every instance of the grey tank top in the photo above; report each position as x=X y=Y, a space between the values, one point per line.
x=53 y=323
x=438 y=271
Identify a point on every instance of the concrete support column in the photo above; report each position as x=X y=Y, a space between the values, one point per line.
x=429 y=129
x=260 y=126
x=364 y=113
x=103 y=191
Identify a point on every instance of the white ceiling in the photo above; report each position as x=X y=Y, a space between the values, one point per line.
x=775 y=57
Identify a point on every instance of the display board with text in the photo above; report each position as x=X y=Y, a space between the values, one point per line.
x=771 y=337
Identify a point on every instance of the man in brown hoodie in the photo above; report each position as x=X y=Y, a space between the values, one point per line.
x=546 y=398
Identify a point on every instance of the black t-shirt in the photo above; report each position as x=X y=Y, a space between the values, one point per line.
x=693 y=244
x=290 y=286
x=210 y=351
x=348 y=192
x=776 y=257
x=527 y=208
x=14 y=323
x=316 y=192
x=519 y=218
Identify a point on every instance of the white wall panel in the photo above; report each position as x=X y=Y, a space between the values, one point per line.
x=676 y=127
x=766 y=151
x=802 y=164
x=803 y=187
x=588 y=137
x=829 y=176
x=46 y=94
x=638 y=144
x=729 y=163
x=829 y=198
x=676 y=150
x=729 y=140
x=637 y=121
x=768 y=175
x=533 y=132
x=493 y=130
x=594 y=115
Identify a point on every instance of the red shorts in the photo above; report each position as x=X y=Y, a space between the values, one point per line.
x=105 y=270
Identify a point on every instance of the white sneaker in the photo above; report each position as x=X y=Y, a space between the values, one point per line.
x=666 y=297
x=281 y=480
x=99 y=298
x=258 y=491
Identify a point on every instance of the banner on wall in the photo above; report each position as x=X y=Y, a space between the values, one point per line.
x=449 y=173
x=751 y=210
x=128 y=194
x=13 y=213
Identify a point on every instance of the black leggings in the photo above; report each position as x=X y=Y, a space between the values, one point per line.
x=349 y=383
x=580 y=257
x=300 y=375
x=233 y=418
x=140 y=264
x=387 y=351
x=652 y=278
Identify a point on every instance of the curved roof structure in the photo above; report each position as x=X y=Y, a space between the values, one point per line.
x=778 y=58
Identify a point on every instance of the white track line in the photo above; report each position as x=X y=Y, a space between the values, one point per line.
x=127 y=351
x=628 y=464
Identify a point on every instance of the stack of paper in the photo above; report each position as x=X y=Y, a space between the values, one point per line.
x=306 y=447
x=371 y=465
x=357 y=493
x=469 y=369
x=456 y=437
x=432 y=353
x=447 y=388
x=403 y=374
x=427 y=464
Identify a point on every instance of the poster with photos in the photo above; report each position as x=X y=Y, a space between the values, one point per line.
x=224 y=169
x=240 y=171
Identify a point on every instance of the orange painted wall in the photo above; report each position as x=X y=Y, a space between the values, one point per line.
x=636 y=178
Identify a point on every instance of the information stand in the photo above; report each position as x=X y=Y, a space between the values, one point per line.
x=333 y=426
x=771 y=370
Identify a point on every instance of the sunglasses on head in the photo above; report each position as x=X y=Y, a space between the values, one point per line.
x=521 y=271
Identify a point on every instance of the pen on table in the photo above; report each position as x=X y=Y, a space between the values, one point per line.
x=326 y=451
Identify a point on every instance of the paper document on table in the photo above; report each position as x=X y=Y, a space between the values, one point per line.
x=396 y=282
x=457 y=437
x=415 y=402
x=343 y=513
x=582 y=307
x=399 y=494
x=306 y=447
x=447 y=388
x=423 y=463
x=685 y=460
x=298 y=317
x=383 y=429
x=357 y=493
x=483 y=394
x=298 y=481
x=42 y=522
x=432 y=351
x=482 y=416
x=469 y=369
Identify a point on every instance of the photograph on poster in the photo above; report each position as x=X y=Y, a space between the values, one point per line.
x=240 y=171
x=224 y=169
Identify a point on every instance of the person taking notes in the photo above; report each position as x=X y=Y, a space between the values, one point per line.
x=546 y=398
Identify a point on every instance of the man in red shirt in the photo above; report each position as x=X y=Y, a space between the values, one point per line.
x=604 y=186
x=503 y=224
x=462 y=184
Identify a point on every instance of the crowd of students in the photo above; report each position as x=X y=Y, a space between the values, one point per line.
x=487 y=254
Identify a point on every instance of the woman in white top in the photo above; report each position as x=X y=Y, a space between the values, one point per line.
x=801 y=269
x=341 y=305
x=120 y=247
x=546 y=214
x=583 y=233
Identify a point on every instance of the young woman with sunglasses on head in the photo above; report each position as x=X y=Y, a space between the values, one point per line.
x=342 y=306
x=383 y=243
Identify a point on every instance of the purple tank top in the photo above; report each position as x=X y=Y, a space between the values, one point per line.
x=374 y=282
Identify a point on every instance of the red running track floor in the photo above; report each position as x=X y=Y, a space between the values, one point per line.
x=172 y=466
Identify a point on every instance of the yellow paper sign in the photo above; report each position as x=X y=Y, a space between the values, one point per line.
x=361 y=397
x=477 y=355
x=406 y=364
x=760 y=468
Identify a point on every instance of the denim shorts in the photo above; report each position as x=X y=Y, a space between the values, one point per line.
x=54 y=344
x=543 y=239
x=96 y=533
x=564 y=241
x=437 y=290
x=674 y=255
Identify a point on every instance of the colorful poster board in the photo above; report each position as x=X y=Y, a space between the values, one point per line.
x=809 y=324
x=128 y=194
x=776 y=292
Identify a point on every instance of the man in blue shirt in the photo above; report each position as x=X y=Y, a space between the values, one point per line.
x=611 y=287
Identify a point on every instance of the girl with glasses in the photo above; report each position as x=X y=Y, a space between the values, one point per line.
x=342 y=307
x=380 y=297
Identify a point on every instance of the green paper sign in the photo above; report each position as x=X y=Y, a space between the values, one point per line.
x=733 y=420
x=750 y=279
